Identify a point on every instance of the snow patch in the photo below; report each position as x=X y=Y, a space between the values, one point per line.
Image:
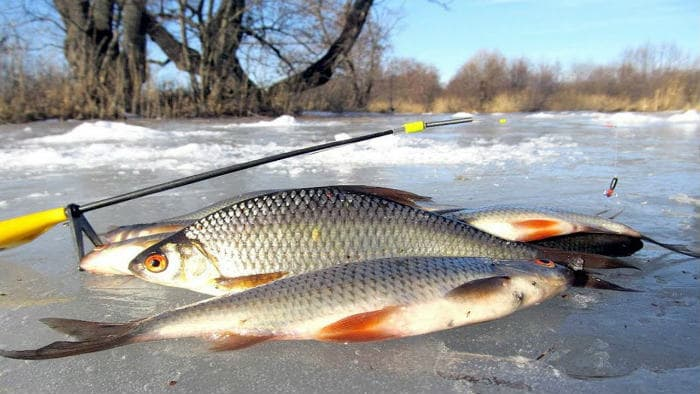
x=691 y=116
x=282 y=121
x=342 y=136
x=626 y=119
x=541 y=115
x=99 y=132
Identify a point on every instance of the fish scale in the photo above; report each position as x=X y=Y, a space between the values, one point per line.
x=351 y=287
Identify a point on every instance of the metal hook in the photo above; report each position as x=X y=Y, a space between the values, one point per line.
x=611 y=188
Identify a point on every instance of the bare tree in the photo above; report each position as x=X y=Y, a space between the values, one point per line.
x=213 y=42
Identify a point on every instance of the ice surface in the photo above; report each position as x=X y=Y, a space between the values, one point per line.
x=145 y=148
x=587 y=341
x=685 y=199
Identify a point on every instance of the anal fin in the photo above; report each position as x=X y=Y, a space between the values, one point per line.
x=367 y=326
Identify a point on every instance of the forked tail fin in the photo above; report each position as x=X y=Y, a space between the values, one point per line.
x=682 y=249
x=579 y=260
x=93 y=337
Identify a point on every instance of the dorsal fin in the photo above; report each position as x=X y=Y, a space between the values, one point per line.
x=398 y=196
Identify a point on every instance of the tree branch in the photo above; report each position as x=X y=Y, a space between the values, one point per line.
x=322 y=70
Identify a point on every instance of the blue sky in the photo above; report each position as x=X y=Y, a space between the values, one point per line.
x=569 y=31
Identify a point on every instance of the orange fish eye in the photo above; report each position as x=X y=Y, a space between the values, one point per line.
x=545 y=263
x=156 y=263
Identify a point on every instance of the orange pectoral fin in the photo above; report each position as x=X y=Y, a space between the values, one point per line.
x=536 y=229
x=242 y=283
x=367 y=326
x=231 y=341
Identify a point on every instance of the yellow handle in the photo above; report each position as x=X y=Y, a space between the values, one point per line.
x=22 y=229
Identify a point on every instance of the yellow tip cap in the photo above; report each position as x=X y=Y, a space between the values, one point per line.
x=414 y=127
x=22 y=229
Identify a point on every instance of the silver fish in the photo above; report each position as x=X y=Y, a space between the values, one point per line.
x=289 y=232
x=124 y=243
x=363 y=301
x=539 y=224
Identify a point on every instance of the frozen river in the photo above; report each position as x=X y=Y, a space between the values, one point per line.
x=586 y=341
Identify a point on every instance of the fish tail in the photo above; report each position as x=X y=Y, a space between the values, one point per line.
x=579 y=260
x=93 y=337
x=584 y=279
x=682 y=249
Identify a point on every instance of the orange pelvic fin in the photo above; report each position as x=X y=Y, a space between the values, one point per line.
x=361 y=327
x=231 y=341
x=536 y=229
x=241 y=283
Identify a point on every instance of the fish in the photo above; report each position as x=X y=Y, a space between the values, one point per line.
x=113 y=258
x=539 y=224
x=356 y=302
x=123 y=243
x=289 y=232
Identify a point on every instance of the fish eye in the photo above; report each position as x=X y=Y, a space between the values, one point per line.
x=545 y=263
x=156 y=263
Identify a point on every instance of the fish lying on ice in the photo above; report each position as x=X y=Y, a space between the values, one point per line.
x=561 y=229
x=123 y=243
x=289 y=232
x=363 y=301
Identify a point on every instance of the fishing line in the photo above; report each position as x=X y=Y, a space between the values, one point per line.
x=610 y=191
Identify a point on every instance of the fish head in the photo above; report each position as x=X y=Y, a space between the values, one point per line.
x=114 y=258
x=537 y=280
x=177 y=262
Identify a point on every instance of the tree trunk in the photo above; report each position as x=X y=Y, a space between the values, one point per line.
x=91 y=50
x=134 y=52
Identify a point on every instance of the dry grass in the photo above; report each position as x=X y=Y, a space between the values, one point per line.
x=50 y=92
